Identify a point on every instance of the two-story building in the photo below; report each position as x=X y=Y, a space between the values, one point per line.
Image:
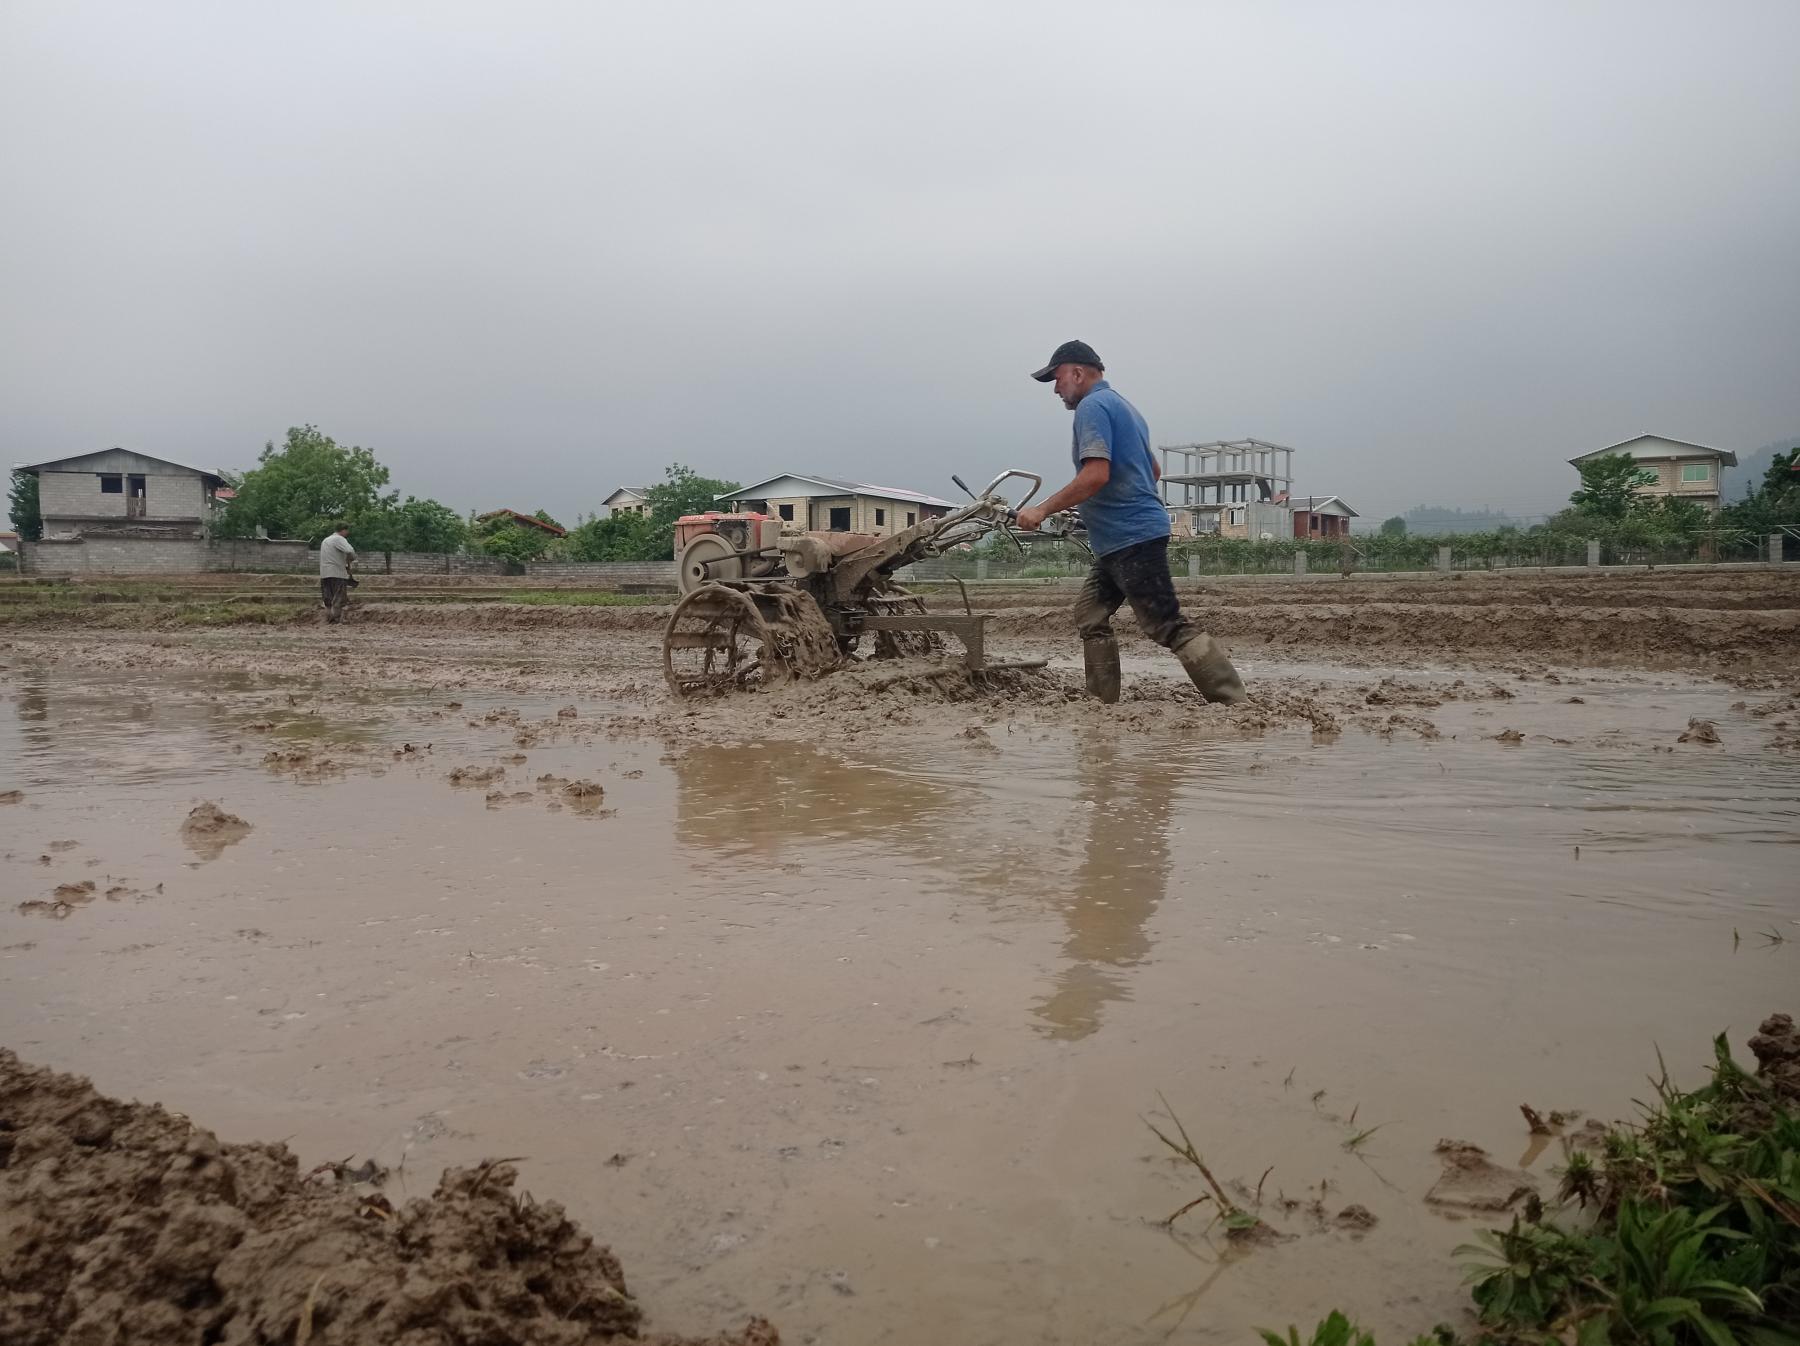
x=1683 y=470
x=118 y=492
x=825 y=504
x=627 y=500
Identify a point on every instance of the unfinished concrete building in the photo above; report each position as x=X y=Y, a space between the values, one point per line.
x=1228 y=487
x=119 y=512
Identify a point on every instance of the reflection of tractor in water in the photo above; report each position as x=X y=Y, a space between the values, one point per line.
x=760 y=604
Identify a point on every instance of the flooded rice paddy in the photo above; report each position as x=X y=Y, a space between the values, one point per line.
x=858 y=1030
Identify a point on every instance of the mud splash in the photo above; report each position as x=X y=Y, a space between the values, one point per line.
x=123 y=1213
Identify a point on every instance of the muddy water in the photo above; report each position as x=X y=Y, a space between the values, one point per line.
x=862 y=1039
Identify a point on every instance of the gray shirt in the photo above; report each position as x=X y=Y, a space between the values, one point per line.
x=335 y=555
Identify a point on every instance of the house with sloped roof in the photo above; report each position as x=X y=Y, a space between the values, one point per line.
x=830 y=504
x=523 y=520
x=627 y=500
x=1682 y=470
x=1321 y=516
x=117 y=492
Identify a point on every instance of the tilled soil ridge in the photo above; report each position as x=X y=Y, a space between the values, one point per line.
x=125 y=1223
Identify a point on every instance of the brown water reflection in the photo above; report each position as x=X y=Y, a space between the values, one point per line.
x=1123 y=875
x=771 y=800
x=791 y=805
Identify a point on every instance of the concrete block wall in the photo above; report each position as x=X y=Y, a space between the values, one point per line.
x=601 y=573
x=102 y=555
x=249 y=553
x=430 y=563
x=78 y=495
x=73 y=494
x=169 y=495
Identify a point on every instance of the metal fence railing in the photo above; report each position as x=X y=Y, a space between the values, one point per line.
x=1363 y=554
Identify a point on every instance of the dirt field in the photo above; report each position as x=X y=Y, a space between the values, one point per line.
x=843 y=1004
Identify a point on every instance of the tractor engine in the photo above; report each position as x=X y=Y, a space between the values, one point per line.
x=710 y=547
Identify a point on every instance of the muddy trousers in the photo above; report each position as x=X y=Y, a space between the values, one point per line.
x=334 y=592
x=1139 y=575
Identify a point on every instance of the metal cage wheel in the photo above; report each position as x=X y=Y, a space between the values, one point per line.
x=717 y=641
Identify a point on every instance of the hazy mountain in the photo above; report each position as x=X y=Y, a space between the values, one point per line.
x=1445 y=519
x=1752 y=467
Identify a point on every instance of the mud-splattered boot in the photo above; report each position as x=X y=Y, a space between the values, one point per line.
x=1205 y=662
x=1101 y=656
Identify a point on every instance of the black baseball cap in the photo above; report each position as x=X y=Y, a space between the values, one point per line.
x=1069 y=353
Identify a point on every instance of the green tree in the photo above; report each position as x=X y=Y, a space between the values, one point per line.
x=618 y=537
x=1670 y=516
x=681 y=491
x=1609 y=486
x=22 y=505
x=426 y=525
x=507 y=538
x=1394 y=527
x=309 y=483
x=684 y=491
x=1771 y=503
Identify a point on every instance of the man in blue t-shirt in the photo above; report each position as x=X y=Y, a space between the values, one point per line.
x=1115 y=488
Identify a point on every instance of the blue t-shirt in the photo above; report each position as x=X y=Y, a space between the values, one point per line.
x=1129 y=508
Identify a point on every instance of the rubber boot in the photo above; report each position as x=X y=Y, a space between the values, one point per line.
x=1205 y=662
x=1101 y=656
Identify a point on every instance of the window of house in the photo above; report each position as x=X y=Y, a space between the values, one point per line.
x=787 y=512
x=880 y=517
x=911 y=519
x=112 y=483
x=1696 y=471
x=840 y=519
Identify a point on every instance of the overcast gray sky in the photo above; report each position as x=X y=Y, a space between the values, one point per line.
x=530 y=251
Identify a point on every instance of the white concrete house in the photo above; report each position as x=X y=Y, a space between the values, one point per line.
x=821 y=504
x=627 y=500
x=1683 y=470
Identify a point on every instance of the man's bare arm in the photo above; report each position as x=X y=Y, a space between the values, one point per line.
x=1095 y=473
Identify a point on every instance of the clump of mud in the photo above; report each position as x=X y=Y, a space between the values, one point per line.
x=1356 y=1219
x=209 y=830
x=1700 y=731
x=127 y=1222
x=1776 y=1047
x=954 y=682
x=64 y=900
x=301 y=762
x=1473 y=1182
x=476 y=775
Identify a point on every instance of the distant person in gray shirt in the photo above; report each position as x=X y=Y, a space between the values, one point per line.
x=336 y=557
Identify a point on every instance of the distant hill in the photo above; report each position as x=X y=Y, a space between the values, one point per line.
x=1444 y=519
x=1751 y=468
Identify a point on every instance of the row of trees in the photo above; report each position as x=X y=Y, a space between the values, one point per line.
x=308 y=483
x=312 y=482
x=1607 y=505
